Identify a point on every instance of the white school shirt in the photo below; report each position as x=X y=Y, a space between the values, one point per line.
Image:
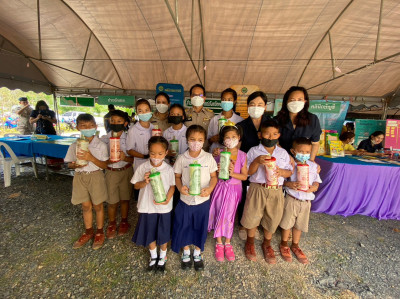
x=313 y=177
x=282 y=160
x=122 y=141
x=97 y=148
x=138 y=140
x=146 y=195
x=213 y=126
x=180 y=135
x=208 y=166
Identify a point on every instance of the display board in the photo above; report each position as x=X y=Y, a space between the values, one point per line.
x=392 y=137
x=175 y=91
x=365 y=127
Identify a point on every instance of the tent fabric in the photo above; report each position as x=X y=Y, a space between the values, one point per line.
x=330 y=47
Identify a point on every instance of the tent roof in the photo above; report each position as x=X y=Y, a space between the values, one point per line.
x=337 y=47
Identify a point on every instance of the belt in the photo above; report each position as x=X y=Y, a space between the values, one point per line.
x=87 y=172
x=297 y=198
x=121 y=168
x=266 y=186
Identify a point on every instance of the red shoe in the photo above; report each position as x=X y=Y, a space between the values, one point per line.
x=250 y=252
x=269 y=254
x=98 y=241
x=285 y=253
x=123 y=228
x=82 y=240
x=301 y=257
x=111 y=231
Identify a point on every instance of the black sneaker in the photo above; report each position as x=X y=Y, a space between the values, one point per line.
x=152 y=267
x=161 y=268
x=186 y=265
x=198 y=263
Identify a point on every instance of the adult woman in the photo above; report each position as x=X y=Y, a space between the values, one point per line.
x=44 y=119
x=296 y=121
x=160 y=116
x=373 y=143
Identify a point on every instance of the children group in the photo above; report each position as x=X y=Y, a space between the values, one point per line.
x=184 y=219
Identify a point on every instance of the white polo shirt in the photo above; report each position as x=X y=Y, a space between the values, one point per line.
x=146 y=195
x=282 y=160
x=180 y=135
x=138 y=140
x=213 y=126
x=97 y=148
x=208 y=166
x=122 y=141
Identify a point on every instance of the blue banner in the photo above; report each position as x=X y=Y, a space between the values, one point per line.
x=175 y=92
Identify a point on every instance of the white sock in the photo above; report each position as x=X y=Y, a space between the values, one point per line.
x=162 y=255
x=153 y=254
x=196 y=252
x=186 y=252
x=227 y=243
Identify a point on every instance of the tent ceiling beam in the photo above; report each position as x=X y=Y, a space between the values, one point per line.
x=203 y=45
x=87 y=49
x=191 y=29
x=39 y=31
x=323 y=38
x=378 y=35
x=332 y=57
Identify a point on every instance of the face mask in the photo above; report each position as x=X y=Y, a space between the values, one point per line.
x=269 y=142
x=352 y=141
x=145 y=116
x=195 y=146
x=156 y=161
x=302 y=157
x=88 y=132
x=231 y=143
x=256 y=112
x=197 y=101
x=162 y=108
x=175 y=119
x=226 y=105
x=295 y=106
x=117 y=128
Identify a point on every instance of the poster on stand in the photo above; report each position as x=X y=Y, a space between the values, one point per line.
x=365 y=127
x=392 y=137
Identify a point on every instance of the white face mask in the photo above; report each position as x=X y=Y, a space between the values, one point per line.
x=295 y=106
x=197 y=101
x=256 y=112
x=156 y=161
x=162 y=108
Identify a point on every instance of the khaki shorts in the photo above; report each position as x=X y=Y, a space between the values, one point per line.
x=119 y=185
x=89 y=186
x=296 y=214
x=263 y=205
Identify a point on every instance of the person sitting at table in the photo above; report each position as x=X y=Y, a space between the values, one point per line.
x=347 y=140
x=372 y=144
x=44 y=119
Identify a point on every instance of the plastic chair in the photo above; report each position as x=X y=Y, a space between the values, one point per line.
x=13 y=159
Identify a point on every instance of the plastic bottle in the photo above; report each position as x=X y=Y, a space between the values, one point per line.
x=174 y=144
x=270 y=168
x=82 y=145
x=221 y=123
x=156 y=131
x=224 y=162
x=157 y=186
x=115 y=146
x=195 y=178
x=303 y=176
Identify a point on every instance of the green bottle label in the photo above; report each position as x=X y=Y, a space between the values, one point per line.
x=195 y=179
x=224 y=162
x=157 y=187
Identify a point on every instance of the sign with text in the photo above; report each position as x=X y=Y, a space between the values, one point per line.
x=392 y=138
x=243 y=92
x=116 y=100
x=175 y=91
x=77 y=101
x=213 y=104
x=365 y=127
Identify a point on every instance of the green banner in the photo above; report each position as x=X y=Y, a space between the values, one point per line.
x=324 y=107
x=117 y=100
x=213 y=104
x=76 y=101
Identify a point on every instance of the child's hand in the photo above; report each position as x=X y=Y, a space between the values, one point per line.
x=122 y=156
x=147 y=177
x=231 y=168
x=215 y=138
x=263 y=159
x=205 y=192
x=312 y=189
x=73 y=165
x=219 y=167
x=85 y=155
x=216 y=152
x=162 y=203
x=171 y=153
x=293 y=185
x=185 y=190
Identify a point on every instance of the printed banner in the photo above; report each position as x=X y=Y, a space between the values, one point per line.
x=365 y=127
x=76 y=101
x=213 y=104
x=175 y=92
x=243 y=91
x=392 y=138
x=117 y=100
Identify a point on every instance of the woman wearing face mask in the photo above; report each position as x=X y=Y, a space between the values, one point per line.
x=372 y=144
x=296 y=121
x=160 y=116
x=44 y=119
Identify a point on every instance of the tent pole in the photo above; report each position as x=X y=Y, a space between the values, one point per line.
x=385 y=108
x=56 y=110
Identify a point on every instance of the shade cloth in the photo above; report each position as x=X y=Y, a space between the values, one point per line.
x=351 y=187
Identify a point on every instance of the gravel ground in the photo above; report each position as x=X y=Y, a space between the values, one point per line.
x=349 y=257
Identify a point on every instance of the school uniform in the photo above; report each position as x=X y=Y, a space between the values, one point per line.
x=89 y=182
x=264 y=205
x=118 y=175
x=298 y=203
x=191 y=213
x=154 y=222
x=138 y=140
x=213 y=126
x=179 y=135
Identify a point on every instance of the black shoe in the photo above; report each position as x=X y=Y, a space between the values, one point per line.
x=152 y=267
x=162 y=267
x=186 y=265
x=198 y=263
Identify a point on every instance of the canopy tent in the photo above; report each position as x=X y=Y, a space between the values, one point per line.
x=335 y=48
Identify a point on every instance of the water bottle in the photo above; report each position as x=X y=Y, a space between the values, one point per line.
x=82 y=145
x=157 y=186
x=195 y=178
x=221 y=123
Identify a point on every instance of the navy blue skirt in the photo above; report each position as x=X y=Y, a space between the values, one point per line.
x=152 y=227
x=190 y=225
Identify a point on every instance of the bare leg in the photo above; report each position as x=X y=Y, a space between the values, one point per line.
x=87 y=214
x=99 y=215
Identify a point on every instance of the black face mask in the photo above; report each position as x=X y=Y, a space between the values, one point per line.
x=117 y=128
x=269 y=142
x=175 y=119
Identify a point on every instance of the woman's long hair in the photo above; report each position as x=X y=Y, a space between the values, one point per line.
x=303 y=118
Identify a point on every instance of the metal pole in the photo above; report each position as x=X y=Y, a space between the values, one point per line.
x=385 y=108
x=56 y=110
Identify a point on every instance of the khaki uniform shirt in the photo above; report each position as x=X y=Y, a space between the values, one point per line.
x=24 y=127
x=202 y=118
x=163 y=125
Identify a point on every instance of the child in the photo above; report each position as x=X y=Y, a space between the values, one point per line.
x=154 y=222
x=347 y=139
x=191 y=213
x=118 y=175
x=176 y=117
x=227 y=194
x=265 y=203
x=298 y=203
x=89 y=186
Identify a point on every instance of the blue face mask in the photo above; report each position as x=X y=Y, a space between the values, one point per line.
x=88 y=132
x=226 y=105
x=302 y=157
x=145 y=116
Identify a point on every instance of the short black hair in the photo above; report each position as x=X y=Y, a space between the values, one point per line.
x=229 y=90
x=180 y=107
x=111 y=106
x=376 y=133
x=347 y=135
x=257 y=94
x=196 y=128
x=86 y=117
x=270 y=123
x=226 y=129
x=23 y=99
x=41 y=103
x=162 y=94
x=198 y=85
x=120 y=113
x=301 y=141
x=158 y=139
x=142 y=101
